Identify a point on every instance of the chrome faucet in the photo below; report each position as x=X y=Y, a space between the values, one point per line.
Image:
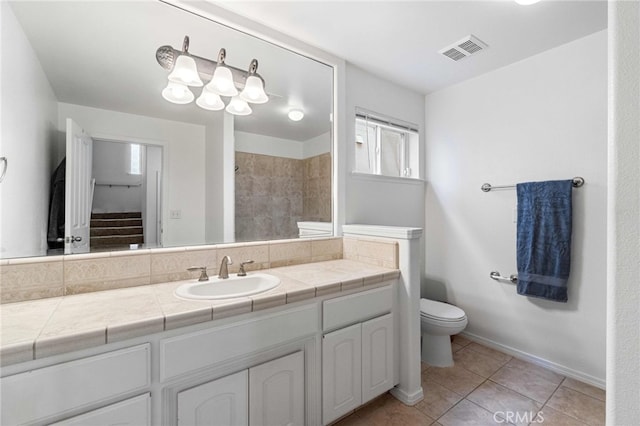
x=203 y=272
x=224 y=271
x=242 y=272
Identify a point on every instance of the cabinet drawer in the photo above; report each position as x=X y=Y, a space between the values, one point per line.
x=358 y=307
x=41 y=393
x=187 y=354
x=131 y=412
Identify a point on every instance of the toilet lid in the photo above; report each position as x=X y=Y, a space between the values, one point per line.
x=440 y=310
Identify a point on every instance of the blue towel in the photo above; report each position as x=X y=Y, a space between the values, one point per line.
x=544 y=238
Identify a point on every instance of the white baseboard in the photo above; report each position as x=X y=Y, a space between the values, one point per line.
x=556 y=368
x=408 y=399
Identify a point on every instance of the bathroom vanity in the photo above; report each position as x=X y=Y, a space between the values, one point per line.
x=306 y=361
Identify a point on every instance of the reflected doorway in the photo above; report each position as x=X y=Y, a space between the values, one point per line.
x=127 y=201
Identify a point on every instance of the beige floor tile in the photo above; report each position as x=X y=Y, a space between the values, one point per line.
x=456 y=378
x=578 y=405
x=466 y=413
x=500 y=356
x=351 y=420
x=585 y=388
x=550 y=417
x=505 y=403
x=423 y=366
x=392 y=412
x=537 y=370
x=477 y=362
x=460 y=340
x=456 y=347
x=437 y=400
x=525 y=382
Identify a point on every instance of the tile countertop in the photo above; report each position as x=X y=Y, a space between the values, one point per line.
x=40 y=328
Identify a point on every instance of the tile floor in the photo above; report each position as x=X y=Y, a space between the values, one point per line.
x=487 y=387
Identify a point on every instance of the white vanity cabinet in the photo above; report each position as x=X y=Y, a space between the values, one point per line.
x=61 y=390
x=221 y=402
x=357 y=360
x=275 y=388
x=131 y=412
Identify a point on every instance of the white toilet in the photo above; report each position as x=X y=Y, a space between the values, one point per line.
x=438 y=322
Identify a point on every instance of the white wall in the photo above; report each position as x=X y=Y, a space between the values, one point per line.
x=111 y=166
x=623 y=245
x=29 y=122
x=266 y=145
x=375 y=200
x=184 y=150
x=543 y=118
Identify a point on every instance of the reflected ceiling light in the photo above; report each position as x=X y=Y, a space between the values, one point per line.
x=526 y=2
x=296 y=115
x=254 y=87
x=209 y=100
x=238 y=106
x=186 y=69
x=177 y=93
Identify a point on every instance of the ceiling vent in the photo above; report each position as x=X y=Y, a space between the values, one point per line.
x=462 y=48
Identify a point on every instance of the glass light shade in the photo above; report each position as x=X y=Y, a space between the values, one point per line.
x=238 y=106
x=185 y=72
x=177 y=93
x=222 y=82
x=296 y=115
x=254 y=91
x=526 y=2
x=209 y=100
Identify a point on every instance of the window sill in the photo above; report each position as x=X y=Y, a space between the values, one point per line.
x=391 y=179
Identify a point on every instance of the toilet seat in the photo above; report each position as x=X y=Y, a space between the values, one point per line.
x=441 y=312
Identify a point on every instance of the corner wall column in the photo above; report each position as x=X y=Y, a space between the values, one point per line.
x=409 y=390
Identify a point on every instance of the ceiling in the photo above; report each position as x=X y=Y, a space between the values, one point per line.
x=399 y=40
x=102 y=54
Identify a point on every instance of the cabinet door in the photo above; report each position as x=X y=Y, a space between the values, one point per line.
x=341 y=372
x=377 y=357
x=132 y=412
x=276 y=392
x=221 y=402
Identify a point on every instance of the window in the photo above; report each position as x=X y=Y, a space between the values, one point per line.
x=386 y=148
x=135 y=155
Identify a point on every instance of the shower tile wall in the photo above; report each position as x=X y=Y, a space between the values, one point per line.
x=317 y=188
x=274 y=193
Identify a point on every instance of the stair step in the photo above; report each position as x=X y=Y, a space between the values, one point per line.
x=113 y=231
x=117 y=223
x=122 y=240
x=118 y=215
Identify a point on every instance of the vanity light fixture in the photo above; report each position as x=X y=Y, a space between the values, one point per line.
x=526 y=2
x=238 y=106
x=187 y=70
x=295 y=115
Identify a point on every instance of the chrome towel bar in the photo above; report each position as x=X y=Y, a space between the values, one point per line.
x=486 y=187
x=495 y=275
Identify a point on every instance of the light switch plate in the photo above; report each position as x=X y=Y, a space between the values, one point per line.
x=175 y=214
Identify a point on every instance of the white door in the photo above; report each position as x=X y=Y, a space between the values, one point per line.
x=377 y=357
x=341 y=372
x=221 y=402
x=78 y=189
x=131 y=412
x=276 y=392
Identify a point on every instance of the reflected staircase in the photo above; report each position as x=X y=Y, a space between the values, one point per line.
x=112 y=230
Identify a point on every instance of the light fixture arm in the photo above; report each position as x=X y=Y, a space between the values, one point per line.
x=167 y=55
x=185 y=44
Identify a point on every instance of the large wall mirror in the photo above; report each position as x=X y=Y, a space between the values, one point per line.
x=82 y=103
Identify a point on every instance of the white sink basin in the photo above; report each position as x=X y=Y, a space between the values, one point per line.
x=234 y=286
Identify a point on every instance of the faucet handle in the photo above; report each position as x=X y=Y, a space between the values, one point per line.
x=203 y=272
x=242 y=272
